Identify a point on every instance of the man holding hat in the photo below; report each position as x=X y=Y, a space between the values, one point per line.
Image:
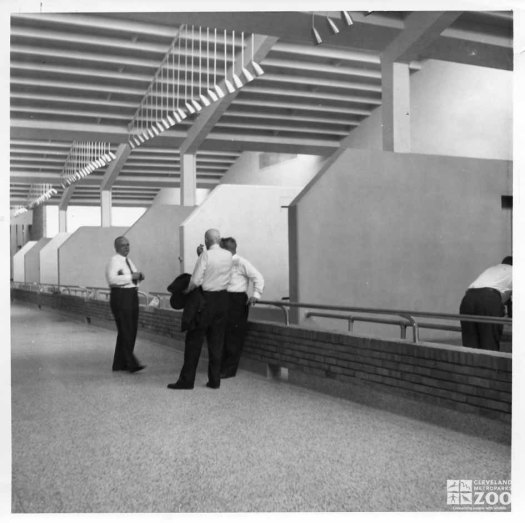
x=212 y=273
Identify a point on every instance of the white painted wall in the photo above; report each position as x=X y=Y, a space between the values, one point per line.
x=404 y=231
x=49 y=259
x=82 y=257
x=455 y=110
x=255 y=217
x=155 y=245
x=461 y=110
x=19 y=271
x=292 y=172
x=32 y=261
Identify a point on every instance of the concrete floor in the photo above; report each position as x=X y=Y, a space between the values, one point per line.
x=85 y=439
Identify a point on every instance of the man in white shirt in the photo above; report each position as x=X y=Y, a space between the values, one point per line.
x=243 y=274
x=123 y=278
x=212 y=273
x=486 y=296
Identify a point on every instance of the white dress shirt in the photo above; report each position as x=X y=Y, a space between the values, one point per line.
x=498 y=277
x=243 y=272
x=118 y=273
x=213 y=269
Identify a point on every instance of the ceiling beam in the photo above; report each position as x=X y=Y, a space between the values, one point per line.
x=301 y=107
x=72 y=112
x=421 y=29
x=212 y=114
x=115 y=166
x=131 y=181
x=290 y=117
x=82 y=56
x=69 y=71
x=227 y=142
x=277 y=128
x=26 y=129
x=72 y=86
x=331 y=83
x=321 y=68
x=76 y=20
x=66 y=197
x=471 y=53
x=45 y=35
x=81 y=100
x=277 y=144
x=290 y=26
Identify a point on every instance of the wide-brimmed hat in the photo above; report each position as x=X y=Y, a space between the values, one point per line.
x=179 y=284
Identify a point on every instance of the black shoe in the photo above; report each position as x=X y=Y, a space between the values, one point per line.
x=226 y=375
x=210 y=386
x=179 y=386
x=137 y=368
x=116 y=369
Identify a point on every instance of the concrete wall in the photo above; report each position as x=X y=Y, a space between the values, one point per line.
x=455 y=110
x=49 y=259
x=19 y=269
x=38 y=226
x=255 y=217
x=461 y=110
x=155 y=247
x=403 y=231
x=19 y=234
x=82 y=258
x=289 y=172
x=32 y=261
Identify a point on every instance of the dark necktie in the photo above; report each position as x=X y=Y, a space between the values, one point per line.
x=131 y=270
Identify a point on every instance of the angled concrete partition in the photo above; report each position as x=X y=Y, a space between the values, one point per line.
x=32 y=261
x=155 y=247
x=49 y=259
x=82 y=258
x=405 y=231
x=256 y=216
x=19 y=269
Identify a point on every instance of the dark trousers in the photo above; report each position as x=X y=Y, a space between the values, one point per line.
x=481 y=302
x=236 y=324
x=211 y=326
x=124 y=305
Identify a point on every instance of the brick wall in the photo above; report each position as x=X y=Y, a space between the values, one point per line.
x=466 y=380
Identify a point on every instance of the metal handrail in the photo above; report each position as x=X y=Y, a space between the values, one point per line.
x=407 y=318
x=86 y=292
x=402 y=323
x=282 y=306
x=408 y=315
x=368 y=319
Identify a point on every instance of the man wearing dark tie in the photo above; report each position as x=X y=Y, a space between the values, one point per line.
x=123 y=279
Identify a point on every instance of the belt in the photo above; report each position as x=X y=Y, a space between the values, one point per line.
x=490 y=289
x=123 y=288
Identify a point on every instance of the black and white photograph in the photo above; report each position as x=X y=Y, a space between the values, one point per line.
x=261 y=260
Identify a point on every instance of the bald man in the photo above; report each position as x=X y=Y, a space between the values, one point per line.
x=212 y=274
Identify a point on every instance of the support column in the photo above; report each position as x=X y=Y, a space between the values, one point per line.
x=62 y=220
x=38 y=226
x=105 y=208
x=396 y=106
x=188 y=180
